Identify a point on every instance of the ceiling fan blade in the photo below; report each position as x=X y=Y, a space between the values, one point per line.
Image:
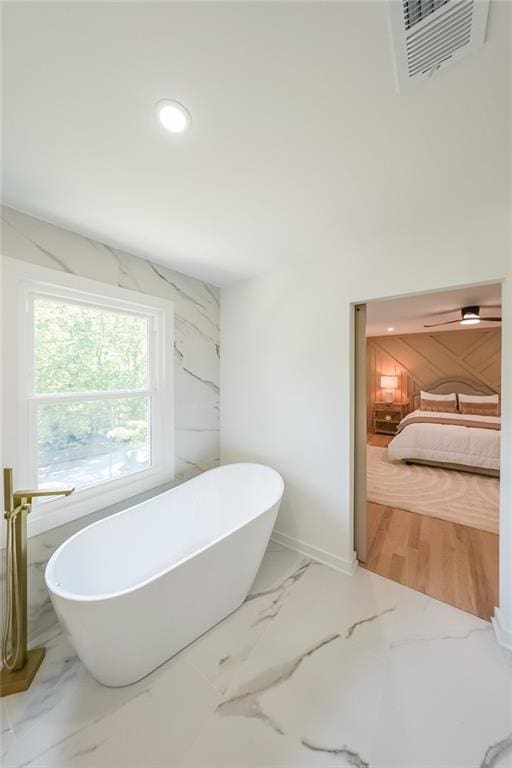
x=446 y=322
x=450 y=322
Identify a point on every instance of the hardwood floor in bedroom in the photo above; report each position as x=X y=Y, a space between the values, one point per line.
x=451 y=562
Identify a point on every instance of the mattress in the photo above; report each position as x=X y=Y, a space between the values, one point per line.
x=475 y=442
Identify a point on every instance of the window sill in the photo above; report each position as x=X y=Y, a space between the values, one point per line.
x=60 y=511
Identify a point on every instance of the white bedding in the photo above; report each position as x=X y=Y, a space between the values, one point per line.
x=448 y=443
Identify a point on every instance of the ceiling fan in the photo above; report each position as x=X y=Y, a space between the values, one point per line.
x=468 y=316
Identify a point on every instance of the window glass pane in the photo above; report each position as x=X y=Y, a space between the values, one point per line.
x=83 y=443
x=88 y=349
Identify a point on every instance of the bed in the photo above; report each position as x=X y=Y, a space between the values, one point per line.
x=449 y=440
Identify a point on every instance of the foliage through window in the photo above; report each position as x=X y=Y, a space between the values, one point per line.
x=92 y=393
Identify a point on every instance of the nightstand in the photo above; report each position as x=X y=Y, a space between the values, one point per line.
x=387 y=417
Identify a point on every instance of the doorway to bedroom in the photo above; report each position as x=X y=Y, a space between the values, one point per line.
x=432 y=383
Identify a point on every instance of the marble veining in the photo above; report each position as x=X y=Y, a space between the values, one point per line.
x=278 y=591
x=353 y=758
x=463 y=636
x=196 y=358
x=246 y=701
x=51 y=256
x=352 y=671
x=237 y=638
x=277 y=594
x=497 y=751
x=211 y=384
x=204 y=310
x=350 y=631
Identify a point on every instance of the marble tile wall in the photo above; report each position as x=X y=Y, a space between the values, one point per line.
x=196 y=348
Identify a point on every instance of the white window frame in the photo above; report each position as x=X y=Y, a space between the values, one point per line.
x=22 y=283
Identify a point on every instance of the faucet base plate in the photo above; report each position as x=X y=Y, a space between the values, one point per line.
x=21 y=679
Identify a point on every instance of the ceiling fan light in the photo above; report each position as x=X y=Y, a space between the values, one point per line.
x=470 y=315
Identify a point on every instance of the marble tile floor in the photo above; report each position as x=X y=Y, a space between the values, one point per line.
x=315 y=669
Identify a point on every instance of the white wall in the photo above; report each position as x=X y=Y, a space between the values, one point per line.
x=286 y=371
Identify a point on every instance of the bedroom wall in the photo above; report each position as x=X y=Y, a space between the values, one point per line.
x=421 y=359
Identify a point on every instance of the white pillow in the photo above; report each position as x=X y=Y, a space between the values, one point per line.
x=431 y=396
x=479 y=398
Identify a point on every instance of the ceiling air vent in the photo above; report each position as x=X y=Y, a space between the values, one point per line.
x=430 y=34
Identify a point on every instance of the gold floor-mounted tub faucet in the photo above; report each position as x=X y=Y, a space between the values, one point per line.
x=19 y=664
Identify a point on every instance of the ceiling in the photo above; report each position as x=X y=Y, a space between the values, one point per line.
x=410 y=314
x=300 y=148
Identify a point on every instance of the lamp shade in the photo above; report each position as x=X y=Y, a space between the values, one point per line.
x=389 y=382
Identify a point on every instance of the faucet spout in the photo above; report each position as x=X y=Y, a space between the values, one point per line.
x=25 y=497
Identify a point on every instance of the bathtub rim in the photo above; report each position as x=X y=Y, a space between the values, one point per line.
x=53 y=589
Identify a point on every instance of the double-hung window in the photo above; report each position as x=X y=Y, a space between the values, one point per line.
x=88 y=399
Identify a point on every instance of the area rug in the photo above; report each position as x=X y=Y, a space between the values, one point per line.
x=459 y=497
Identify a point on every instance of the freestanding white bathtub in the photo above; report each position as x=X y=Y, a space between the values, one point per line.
x=133 y=589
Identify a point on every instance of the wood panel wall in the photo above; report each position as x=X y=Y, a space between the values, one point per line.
x=421 y=359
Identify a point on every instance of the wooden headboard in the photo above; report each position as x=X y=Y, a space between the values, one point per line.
x=459 y=386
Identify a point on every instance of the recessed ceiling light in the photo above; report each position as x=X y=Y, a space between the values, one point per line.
x=389 y=329
x=173 y=116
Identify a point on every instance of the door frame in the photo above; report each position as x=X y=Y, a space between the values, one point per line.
x=360 y=435
x=502 y=620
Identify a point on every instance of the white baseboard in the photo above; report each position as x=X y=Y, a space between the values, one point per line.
x=503 y=633
x=315 y=553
